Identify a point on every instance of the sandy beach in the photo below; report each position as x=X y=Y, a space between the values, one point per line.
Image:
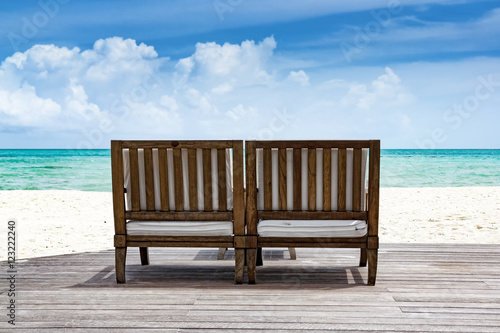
x=62 y=222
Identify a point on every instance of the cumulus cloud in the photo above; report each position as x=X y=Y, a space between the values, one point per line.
x=386 y=89
x=122 y=89
x=68 y=88
x=300 y=77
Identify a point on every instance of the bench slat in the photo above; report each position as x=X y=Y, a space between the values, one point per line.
x=222 y=181
x=282 y=178
x=311 y=179
x=207 y=179
x=178 y=182
x=297 y=174
x=342 y=185
x=193 y=179
x=268 y=188
x=134 y=179
x=356 y=181
x=149 y=174
x=327 y=179
x=163 y=169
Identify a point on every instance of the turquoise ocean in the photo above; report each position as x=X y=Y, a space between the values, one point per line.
x=90 y=170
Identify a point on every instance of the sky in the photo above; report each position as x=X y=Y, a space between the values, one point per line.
x=415 y=74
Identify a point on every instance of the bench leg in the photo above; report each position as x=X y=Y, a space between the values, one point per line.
x=293 y=254
x=239 y=265
x=221 y=253
x=251 y=265
x=120 y=259
x=363 y=257
x=372 y=266
x=144 y=255
x=259 y=261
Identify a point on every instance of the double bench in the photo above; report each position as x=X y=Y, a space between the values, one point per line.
x=270 y=194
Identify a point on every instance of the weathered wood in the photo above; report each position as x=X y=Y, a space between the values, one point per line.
x=149 y=175
x=201 y=144
x=179 y=216
x=297 y=181
x=134 y=180
x=251 y=188
x=373 y=187
x=372 y=266
x=356 y=183
x=120 y=259
x=363 y=257
x=268 y=189
x=342 y=187
x=251 y=265
x=446 y=288
x=163 y=170
x=293 y=253
x=207 y=179
x=178 y=181
x=221 y=171
x=322 y=242
x=306 y=215
x=162 y=243
x=239 y=269
x=313 y=144
x=184 y=239
x=193 y=179
x=222 y=253
x=144 y=254
x=311 y=179
x=282 y=179
x=118 y=184
x=327 y=179
x=238 y=191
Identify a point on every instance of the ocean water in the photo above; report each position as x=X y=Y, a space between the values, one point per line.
x=439 y=167
x=55 y=169
x=90 y=170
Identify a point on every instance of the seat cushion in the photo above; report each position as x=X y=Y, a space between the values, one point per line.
x=312 y=228
x=180 y=228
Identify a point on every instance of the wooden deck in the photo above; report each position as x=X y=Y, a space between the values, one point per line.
x=420 y=288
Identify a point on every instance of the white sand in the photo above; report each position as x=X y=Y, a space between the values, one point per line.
x=61 y=222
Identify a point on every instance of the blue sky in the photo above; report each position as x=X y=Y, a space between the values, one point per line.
x=415 y=74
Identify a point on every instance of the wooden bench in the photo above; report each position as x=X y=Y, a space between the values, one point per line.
x=178 y=194
x=313 y=194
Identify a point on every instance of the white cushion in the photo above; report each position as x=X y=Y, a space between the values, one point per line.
x=312 y=228
x=180 y=228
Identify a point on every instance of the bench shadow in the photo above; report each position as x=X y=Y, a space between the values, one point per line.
x=203 y=271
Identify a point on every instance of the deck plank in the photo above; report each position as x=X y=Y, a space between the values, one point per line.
x=420 y=288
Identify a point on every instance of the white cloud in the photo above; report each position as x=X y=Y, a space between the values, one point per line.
x=229 y=90
x=168 y=102
x=240 y=111
x=23 y=107
x=55 y=87
x=386 y=90
x=300 y=77
x=220 y=91
x=244 y=64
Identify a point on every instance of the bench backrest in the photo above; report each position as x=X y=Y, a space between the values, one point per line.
x=177 y=180
x=313 y=179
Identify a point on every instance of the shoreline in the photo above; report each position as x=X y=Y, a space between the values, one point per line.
x=56 y=222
